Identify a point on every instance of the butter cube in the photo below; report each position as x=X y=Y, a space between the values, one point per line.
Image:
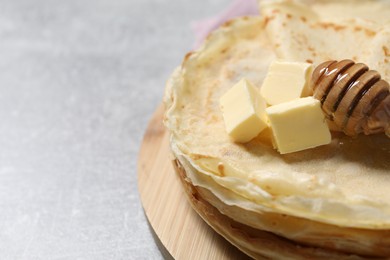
x=286 y=81
x=243 y=111
x=298 y=125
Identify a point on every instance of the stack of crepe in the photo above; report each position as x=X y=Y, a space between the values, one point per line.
x=329 y=202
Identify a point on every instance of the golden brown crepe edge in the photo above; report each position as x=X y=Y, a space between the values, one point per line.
x=256 y=243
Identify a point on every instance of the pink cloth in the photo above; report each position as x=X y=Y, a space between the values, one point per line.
x=237 y=8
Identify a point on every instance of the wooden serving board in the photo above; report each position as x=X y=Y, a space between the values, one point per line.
x=179 y=231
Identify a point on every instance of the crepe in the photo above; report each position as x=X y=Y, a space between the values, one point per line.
x=332 y=197
x=256 y=243
x=357 y=30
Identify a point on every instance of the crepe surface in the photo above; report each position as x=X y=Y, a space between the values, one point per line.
x=326 y=30
x=342 y=185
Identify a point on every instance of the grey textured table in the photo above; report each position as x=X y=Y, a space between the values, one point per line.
x=79 y=80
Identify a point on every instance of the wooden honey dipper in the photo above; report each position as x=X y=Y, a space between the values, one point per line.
x=354 y=98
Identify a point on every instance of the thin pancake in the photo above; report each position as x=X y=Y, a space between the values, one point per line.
x=322 y=184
